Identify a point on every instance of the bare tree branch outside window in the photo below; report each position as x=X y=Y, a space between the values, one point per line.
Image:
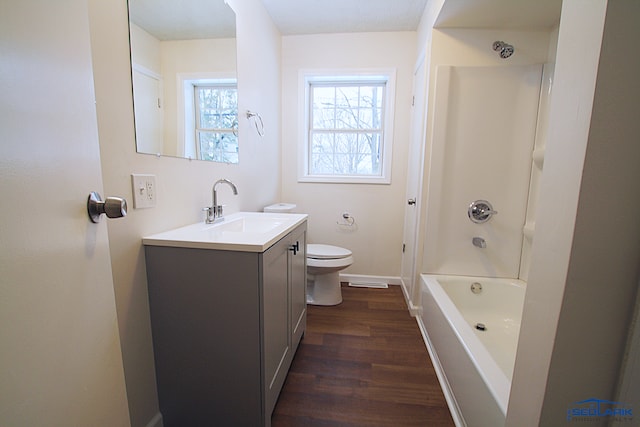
x=346 y=128
x=217 y=123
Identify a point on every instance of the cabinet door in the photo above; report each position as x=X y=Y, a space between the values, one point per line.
x=275 y=320
x=298 y=284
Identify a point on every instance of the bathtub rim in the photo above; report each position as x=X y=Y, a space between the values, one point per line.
x=495 y=379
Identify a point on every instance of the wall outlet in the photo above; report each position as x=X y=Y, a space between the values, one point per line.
x=144 y=190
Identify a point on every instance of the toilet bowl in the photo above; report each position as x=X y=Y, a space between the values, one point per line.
x=324 y=263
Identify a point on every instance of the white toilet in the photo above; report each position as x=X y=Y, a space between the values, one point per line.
x=324 y=263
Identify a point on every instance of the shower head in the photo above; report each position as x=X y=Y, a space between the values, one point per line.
x=505 y=50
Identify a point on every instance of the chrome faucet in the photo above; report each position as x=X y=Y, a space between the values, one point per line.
x=479 y=242
x=214 y=212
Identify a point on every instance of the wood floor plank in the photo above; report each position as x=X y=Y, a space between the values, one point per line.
x=362 y=363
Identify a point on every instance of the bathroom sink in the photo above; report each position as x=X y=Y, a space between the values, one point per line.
x=248 y=224
x=241 y=231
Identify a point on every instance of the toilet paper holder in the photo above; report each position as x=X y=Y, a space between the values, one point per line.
x=347 y=220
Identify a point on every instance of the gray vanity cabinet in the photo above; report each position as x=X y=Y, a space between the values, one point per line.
x=284 y=318
x=225 y=327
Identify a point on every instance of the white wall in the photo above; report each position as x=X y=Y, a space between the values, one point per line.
x=183 y=186
x=376 y=242
x=584 y=267
x=425 y=28
x=145 y=49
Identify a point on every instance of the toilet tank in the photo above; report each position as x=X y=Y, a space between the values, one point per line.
x=281 y=208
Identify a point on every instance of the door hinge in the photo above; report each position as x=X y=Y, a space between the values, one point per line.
x=403 y=247
x=413 y=101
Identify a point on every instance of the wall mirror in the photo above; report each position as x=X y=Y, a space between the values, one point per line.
x=183 y=60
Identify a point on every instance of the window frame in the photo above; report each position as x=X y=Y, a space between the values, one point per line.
x=335 y=78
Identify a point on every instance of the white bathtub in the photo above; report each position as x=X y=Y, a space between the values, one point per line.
x=474 y=367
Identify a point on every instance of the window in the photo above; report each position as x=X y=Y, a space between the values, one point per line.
x=207 y=117
x=216 y=122
x=348 y=128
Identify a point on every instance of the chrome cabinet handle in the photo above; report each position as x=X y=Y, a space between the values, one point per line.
x=113 y=207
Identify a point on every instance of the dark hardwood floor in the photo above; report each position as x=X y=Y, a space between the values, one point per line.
x=362 y=363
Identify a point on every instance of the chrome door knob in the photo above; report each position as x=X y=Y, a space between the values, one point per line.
x=411 y=201
x=112 y=207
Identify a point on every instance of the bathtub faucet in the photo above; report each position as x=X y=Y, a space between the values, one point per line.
x=479 y=242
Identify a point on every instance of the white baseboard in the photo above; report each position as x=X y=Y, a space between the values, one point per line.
x=414 y=310
x=375 y=285
x=389 y=280
x=156 y=421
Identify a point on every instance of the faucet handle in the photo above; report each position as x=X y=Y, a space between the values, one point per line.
x=480 y=211
x=210 y=216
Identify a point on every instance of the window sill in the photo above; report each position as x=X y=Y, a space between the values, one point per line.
x=333 y=179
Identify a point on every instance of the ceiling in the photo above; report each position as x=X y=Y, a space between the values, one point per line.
x=500 y=14
x=341 y=16
x=186 y=19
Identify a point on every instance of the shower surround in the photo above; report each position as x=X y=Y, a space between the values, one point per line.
x=486 y=128
x=483 y=136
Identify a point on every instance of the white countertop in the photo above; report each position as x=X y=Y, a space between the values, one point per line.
x=241 y=231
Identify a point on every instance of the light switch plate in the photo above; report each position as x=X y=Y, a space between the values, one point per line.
x=144 y=190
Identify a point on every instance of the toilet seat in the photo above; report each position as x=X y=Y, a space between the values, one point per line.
x=327 y=252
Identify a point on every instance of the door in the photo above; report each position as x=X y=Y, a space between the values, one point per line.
x=275 y=318
x=148 y=112
x=414 y=181
x=60 y=360
x=298 y=284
